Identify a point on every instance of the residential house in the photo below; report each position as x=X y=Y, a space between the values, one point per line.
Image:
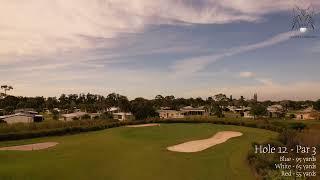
x=230 y=108
x=72 y=116
x=276 y=111
x=113 y=110
x=95 y=115
x=170 y=114
x=21 y=118
x=27 y=115
x=122 y=116
x=247 y=114
x=183 y=112
x=191 y=111
x=26 y=111
x=242 y=111
x=308 y=114
x=57 y=109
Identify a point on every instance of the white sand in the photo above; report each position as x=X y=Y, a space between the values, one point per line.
x=30 y=147
x=200 y=145
x=143 y=125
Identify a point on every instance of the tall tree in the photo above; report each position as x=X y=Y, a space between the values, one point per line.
x=159 y=101
x=316 y=105
x=142 y=109
x=221 y=99
x=258 y=110
x=6 y=88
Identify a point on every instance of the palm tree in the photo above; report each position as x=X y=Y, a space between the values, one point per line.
x=6 y=88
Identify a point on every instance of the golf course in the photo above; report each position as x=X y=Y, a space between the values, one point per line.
x=134 y=153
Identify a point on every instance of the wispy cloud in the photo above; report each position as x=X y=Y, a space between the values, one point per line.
x=193 y=65
x=63 y=25
x=69 y=46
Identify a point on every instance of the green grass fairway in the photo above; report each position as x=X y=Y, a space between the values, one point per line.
x=134 y=154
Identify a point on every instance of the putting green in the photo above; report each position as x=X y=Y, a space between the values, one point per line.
x=134 y=154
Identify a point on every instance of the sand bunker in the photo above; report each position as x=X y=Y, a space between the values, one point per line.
x=30 y=147
x=143 y=125
x=200 y=145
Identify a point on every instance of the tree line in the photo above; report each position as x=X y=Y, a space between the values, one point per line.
x=140 y=107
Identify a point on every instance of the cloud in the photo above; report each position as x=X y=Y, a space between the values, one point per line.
x=265 y=81
x=34 y=27
x=268 y=91
x=247 y=74
x=196 y=64
x=254 y=76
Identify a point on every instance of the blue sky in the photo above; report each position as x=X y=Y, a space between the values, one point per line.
x=186 y=48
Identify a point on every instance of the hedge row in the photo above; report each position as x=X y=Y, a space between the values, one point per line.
x=92 y=126
x=58 y=129
x=252 y=124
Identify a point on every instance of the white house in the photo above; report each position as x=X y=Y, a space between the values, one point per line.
x=113 y=110
x=122 y=116
x=95 y=115
x=232 y=108
x=72 y=116
x=276 y=111
x=17 y=118
x=26 y=111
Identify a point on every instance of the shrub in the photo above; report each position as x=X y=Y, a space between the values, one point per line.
x=24 y=131
x=75 y=118
x=60 y=127
x=297 y=126
x=55 y=115
x=292 y=116
x=86 y=116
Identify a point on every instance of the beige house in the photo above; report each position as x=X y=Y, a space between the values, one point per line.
x=170 y=114
x=191 y=111
x=17 y=118
x=308 y=114
x=183 y=112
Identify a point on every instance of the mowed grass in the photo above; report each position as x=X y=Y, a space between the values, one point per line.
x=136 y=154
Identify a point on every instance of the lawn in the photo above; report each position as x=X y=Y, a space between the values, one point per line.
x=134 y=154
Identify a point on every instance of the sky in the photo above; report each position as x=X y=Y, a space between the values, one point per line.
x=142 y=48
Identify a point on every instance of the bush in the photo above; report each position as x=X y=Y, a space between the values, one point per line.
x=292 y=116
x=86 y=116
x=25 y=131
x=60 y=127
x=298 y=126
x=75 y=118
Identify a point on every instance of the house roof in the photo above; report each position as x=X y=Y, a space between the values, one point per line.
x=16 y=114
x=76 y=114
x=167 y=111
x=308 y=110
x=123 y=113
x=113 y=109
x=190 y=108
x=165 y=108
x=275 y=108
